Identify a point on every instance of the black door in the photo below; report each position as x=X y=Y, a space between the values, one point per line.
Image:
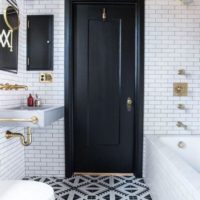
x=104 y=73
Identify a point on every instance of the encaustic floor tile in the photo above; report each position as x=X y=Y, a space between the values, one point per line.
x=97 y=187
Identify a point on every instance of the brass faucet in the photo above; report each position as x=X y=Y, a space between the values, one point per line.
x=8 y=86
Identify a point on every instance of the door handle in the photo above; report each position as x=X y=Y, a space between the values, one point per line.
x=129 y=104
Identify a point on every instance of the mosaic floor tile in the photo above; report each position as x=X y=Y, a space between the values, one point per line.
x=97 y=187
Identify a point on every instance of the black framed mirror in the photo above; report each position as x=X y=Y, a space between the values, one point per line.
x=9 y=32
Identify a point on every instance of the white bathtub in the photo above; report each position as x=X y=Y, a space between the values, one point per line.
x=25 y=190
x=171 y=172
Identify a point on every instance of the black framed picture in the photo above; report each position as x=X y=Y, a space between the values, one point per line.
x=8 y=55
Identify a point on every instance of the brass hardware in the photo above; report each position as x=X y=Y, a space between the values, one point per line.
x=181 y=72
x=181 y=125
x=46 y=77
x=181 y=145
x=24 y=141
x=129 y=101
x=7 y=86
x=11 y=11
x=104 y=14
x=180 y=89
x=33 y=120
x=129 y=104
x=181 y=107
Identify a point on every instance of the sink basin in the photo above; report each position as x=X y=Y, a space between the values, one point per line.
x=43 y=116
x=30 y=108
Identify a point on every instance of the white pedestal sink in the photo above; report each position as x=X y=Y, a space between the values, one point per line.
x=45 y=116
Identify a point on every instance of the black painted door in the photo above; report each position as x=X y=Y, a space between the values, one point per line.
x=104 y=71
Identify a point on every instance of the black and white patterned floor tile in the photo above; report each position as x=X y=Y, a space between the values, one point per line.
x=97 y=188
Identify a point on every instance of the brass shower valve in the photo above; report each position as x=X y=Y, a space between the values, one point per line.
x=180 y=89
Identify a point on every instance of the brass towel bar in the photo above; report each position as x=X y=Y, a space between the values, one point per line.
x=8 y=86
x=33 y=120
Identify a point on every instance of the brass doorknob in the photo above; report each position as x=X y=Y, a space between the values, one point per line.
x=129 y=101
x=129 y=104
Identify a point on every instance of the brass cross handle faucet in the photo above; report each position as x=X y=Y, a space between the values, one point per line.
x=8 y=86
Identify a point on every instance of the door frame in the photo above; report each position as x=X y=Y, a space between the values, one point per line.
x=139 y=83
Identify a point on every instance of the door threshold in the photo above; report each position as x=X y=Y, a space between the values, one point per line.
x=102 y=174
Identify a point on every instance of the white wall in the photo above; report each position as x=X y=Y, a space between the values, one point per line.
x=172 y=32
x=45 y=157
x=12 y=165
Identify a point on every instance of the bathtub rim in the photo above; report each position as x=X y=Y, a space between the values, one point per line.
x=187 y=171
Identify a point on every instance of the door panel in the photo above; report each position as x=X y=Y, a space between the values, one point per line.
x=104 y=71
x=40 y=42
x=104 y=82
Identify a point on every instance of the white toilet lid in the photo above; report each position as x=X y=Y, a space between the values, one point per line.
x=25 y=190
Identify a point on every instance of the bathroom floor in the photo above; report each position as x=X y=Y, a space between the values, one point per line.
x=97 y=188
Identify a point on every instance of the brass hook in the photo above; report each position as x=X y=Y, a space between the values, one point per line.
x=104 y=14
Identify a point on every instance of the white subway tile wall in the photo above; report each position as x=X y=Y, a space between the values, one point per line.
x=45 y=157
x=172 y=42
x=12 y=165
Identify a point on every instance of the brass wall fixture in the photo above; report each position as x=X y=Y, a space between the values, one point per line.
x=181 y=107
x=24 y=141
x=8 y=86
x=180 y=89
x=10 y=13
x=33 y=120
x=181 y=125
x=104 y=14
x=46 y=77
x=181 y=72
